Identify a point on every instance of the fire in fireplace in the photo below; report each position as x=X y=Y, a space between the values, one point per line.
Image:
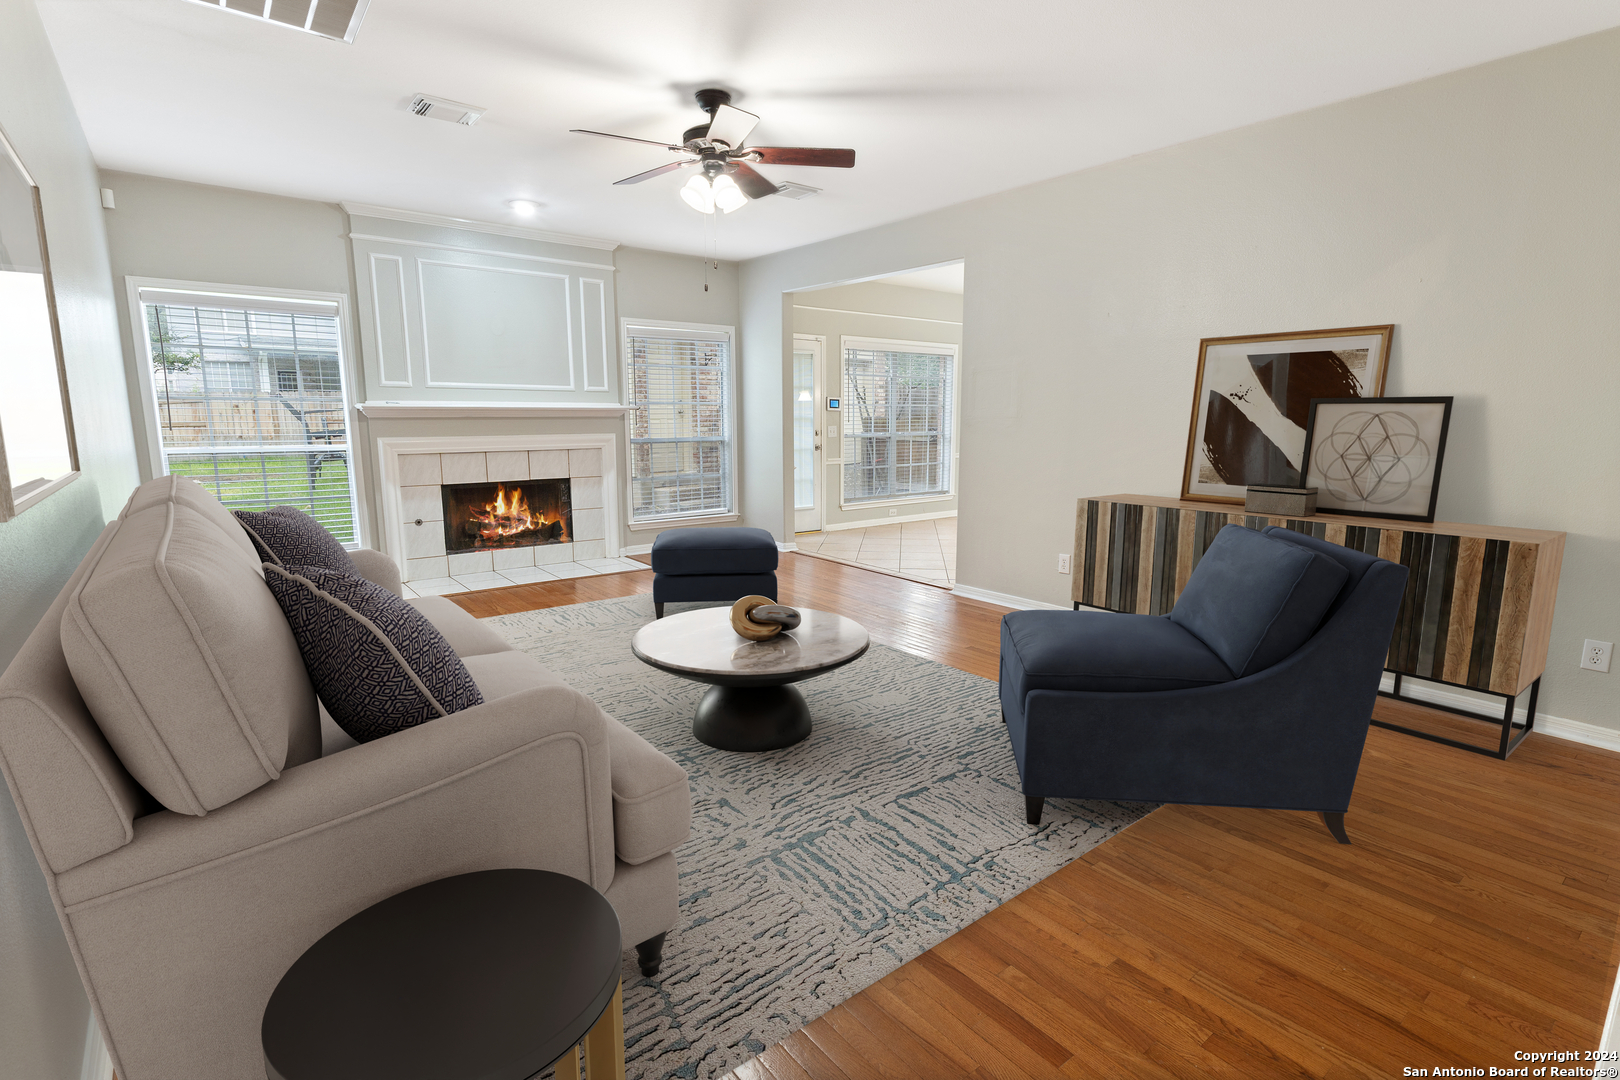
x=516 y=513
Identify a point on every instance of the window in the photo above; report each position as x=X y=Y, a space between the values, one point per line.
x=250 y=400
x=679 y=392
x=898 y=415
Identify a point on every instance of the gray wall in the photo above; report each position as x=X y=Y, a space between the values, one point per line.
x=43 y=1010
x=1475 y=210
x=871 y=310
x=192 y=232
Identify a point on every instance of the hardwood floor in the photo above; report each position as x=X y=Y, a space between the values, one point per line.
x=1473 y=916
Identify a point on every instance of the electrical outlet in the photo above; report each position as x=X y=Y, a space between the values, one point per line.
x=1595 y=655
x=1063 y=564
x=893 y=511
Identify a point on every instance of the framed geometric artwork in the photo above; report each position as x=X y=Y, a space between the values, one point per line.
x=1377 y=457
x=1252 y=397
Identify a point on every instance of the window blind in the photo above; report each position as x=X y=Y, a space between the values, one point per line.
x=251 y=404
x=898 y=415
x=680 y=422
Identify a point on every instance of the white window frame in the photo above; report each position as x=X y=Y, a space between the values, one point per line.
x=845 y=343
x=244 y=296
x=667 y=520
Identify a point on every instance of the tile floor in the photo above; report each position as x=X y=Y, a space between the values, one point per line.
x=523 y=575
x=919 y=550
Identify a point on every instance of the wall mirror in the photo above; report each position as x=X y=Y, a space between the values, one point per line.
x=37 y=452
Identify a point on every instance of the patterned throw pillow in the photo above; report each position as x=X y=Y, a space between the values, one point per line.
x=377 y=663
x=286 y=536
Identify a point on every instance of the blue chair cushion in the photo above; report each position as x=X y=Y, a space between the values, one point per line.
x=714 y=551
x=1102 y=651
x=1255 y=599
x=1356 y=562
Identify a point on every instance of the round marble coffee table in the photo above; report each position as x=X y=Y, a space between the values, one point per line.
x=750 y=705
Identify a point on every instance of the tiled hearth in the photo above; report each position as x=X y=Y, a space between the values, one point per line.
x=426 y=566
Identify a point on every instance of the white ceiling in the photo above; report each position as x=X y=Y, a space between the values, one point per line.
x=944 y=100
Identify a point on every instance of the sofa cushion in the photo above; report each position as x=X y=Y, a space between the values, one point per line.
x=287 y=536
x=1102 y=652
x=466 y=635
x=183 y=657
x=1255 y=599
x=189 y=493
x=378 y=664
x=714 y=551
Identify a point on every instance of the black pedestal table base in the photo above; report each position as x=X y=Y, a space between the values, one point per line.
x=752 y=718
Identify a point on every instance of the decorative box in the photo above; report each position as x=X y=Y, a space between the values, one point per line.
x=1280 y=501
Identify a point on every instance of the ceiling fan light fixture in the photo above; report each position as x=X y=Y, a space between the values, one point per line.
x=697 y=194
x=727 y=195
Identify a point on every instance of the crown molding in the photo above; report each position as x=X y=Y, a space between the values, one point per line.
x=417 y=217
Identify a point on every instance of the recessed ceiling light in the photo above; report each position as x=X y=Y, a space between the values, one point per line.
x=524 y=207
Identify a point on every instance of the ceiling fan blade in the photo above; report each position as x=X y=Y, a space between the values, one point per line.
x=752 y=183
x=626 y=138
x=660 y=171
x=804 y=155
x=731 y=126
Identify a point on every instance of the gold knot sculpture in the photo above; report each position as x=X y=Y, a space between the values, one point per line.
x=759 y=617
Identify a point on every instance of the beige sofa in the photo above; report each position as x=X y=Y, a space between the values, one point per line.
x=163 y=744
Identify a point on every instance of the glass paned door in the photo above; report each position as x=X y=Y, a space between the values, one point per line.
x=806 y=435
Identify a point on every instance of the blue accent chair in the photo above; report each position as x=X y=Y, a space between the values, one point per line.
x=712 y=564
x=1255 y=690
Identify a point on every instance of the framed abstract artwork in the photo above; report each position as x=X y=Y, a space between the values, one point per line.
x=1252 y=398
x=1377 y=457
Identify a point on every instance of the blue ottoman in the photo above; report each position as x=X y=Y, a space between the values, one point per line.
x=712 y=564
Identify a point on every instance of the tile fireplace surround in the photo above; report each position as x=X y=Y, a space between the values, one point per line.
x=413 y=470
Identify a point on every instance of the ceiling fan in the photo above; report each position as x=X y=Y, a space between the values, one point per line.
x=728 y=178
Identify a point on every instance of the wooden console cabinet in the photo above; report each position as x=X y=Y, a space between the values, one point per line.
x=1479 y=599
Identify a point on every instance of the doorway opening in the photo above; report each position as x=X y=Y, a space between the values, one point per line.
x=875 y=392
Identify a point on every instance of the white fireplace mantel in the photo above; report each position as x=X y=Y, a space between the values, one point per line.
x=390 y=450
x=445 y=410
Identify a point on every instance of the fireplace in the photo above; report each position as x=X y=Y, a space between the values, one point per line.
x=511 y=514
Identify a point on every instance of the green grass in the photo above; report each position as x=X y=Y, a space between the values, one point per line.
x=252 y=482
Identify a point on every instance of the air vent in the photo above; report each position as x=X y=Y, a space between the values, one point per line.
x=790 y=190
x=436 y=108
x=335 y=19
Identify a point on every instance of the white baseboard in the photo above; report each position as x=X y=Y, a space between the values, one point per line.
x=97 y=1062
x=789 y=546
x=1588 y=734
x=1006 y=600
x=868 y=523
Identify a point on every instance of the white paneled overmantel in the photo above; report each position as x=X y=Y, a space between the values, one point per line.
x=454 y=311
x=411 y=469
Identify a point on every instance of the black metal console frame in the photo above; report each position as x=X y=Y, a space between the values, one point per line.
x=1509 y=741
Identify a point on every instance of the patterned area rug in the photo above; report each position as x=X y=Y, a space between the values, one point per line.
x=813 y=871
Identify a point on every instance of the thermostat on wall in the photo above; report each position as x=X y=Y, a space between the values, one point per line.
x=832 y=403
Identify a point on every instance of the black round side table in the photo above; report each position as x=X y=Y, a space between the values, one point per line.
x=486 y=976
